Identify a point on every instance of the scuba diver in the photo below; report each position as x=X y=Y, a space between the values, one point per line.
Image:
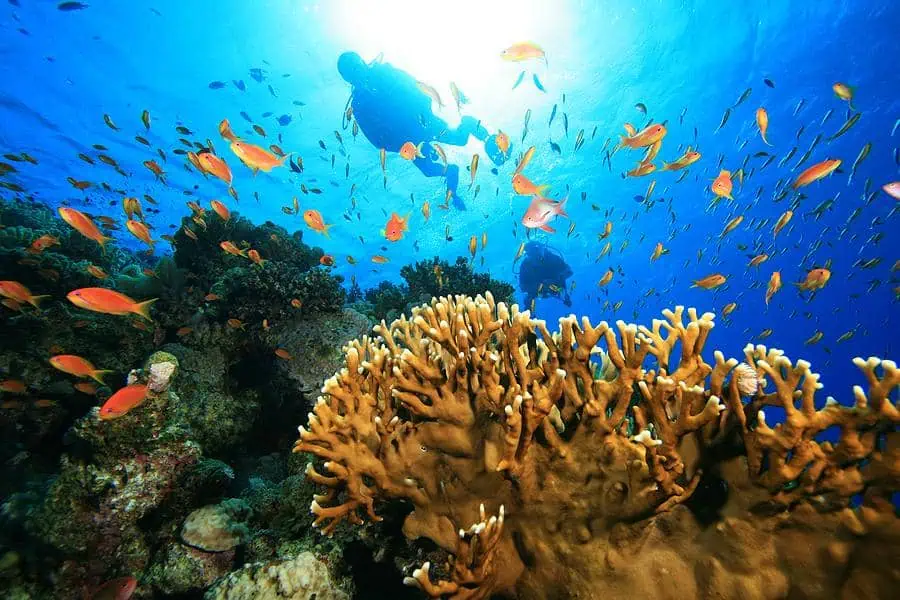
x=391 y=109
x=543 y=274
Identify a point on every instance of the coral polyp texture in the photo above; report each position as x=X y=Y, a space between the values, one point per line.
x=545 y=466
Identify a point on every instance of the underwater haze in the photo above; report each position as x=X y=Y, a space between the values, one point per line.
x=688 y=63
x=615 y=158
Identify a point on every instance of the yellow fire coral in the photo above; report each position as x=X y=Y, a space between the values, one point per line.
x=472 y=408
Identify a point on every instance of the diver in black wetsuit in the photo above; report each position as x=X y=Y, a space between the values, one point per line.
x=391 y=110
x=543 y=274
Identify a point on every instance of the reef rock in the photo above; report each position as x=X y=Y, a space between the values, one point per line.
x=183 y=569
x=302 y=578
x=217 y=527
x=315 y=344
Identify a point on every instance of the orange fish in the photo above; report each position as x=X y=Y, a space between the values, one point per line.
x=774 y=285
x=154 y=168
x=646 y=137
x=296 y=303
x=230 y=248
x=86 y=387
x=283 y=354
x=379 y=259
x=210 y=297
x=816 y=172
x=710 y=281
x=815 y=280
x=643 y=168
x=226 y=132
x=254 y=256
x=140 y=231
x=411 y=151
x=524 y=51
x=758 y=260
x=13 y=386
x=762 y=121
x=77 y=366
x=18 y=292
x=11 y=304
x=215 y=166
x=722 y=185
x=327 y=260
x=524 y=187
x=110 y=302
x=96 y=271
x=183 y=331
x=502 y=141
x=313 y=219
x=132 y=206
x=83 y=225
x=42 y=243
x=255 y=157
x=220 y=209
x=395 y=227
x=235 y=323
x=426 y=210
x=783 y=220
x=127 y=398
x=685 y=160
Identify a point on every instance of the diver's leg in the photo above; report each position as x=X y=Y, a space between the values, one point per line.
x=431 y=168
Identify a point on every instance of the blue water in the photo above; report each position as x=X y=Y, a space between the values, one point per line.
x=62 y=71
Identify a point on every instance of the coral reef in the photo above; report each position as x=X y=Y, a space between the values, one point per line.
x=540 y=480
x=427 y=279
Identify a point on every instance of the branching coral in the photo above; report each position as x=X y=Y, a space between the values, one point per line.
x=470 y=402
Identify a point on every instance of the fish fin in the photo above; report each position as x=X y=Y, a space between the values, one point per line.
x=143 y=308
x=382 y=233
x=35 y=300
x=325 y=229
x=542 y=190
x=666 y=167
x=419 y=150
x=99 y=374
x=560 y=209
x=547 y=228
x=630 y=129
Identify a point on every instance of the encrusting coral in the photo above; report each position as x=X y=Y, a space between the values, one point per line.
x=471 y=408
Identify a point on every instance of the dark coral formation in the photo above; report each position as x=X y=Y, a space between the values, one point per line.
x=427 y=279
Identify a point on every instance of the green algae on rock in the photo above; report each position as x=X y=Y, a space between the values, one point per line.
x=217 y=527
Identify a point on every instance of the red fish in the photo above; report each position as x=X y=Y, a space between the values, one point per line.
x=122 y=401
x=116 y=589
x=542 y=211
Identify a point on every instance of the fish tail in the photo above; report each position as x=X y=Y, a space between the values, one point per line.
x=143 y=308
x=542 y=190
x=561 y=208
x=35 y=300
x=325 y=229
x=98 y=375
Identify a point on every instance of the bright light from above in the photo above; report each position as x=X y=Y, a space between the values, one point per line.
x=443 y=41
